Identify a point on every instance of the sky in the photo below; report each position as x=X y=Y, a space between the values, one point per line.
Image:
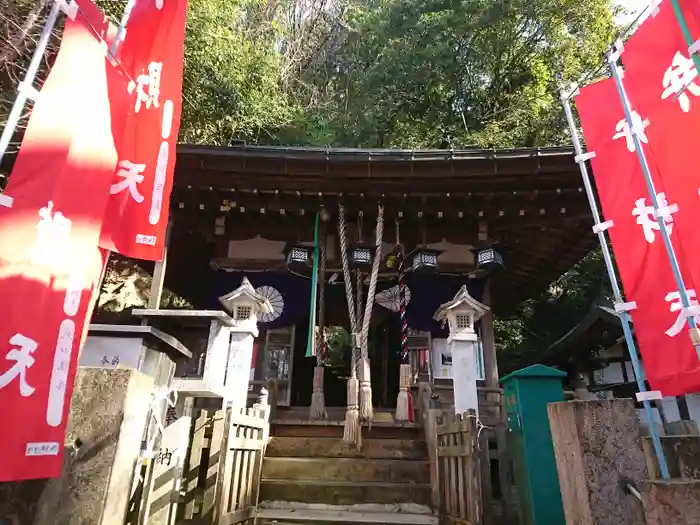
x=635 y=6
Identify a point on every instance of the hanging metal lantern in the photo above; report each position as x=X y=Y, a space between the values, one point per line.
x=489 y=259
x=425 y=259
x=360 y=256
x=298 y=256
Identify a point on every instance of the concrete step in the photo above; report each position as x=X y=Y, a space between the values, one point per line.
x=323 y=517
x=304 y=447
x=348 y=469
x=343 y=492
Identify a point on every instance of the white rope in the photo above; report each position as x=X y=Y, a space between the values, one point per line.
x=161 y=399
x=342 y=233
x=479 y=427
x=372 y=280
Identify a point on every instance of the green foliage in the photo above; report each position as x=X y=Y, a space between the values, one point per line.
x=449 y=73
x=386 y=73
x=542 y=320
x=338 y=347
x=231 y=85
x=126 y=285
x=374 y=73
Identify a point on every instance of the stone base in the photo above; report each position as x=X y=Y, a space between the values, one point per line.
x=675 y=502
x=682 y=457
x=107 y=417
x=681 y=428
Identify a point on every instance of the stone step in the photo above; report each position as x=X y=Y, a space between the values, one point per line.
x=343 y=492
x=304 y=447
x=323 y=517
x=347 y=469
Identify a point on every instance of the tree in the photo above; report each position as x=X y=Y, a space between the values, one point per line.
x=542 y=320
x=450 y=73
x=232 y=85
x=21 y=23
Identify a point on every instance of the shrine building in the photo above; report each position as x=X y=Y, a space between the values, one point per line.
x=237 y=212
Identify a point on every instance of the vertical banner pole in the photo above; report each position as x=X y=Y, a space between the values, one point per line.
x=612 y=56
x=26 y=88
x=121 y=30
x=686 y=33
x=617 y=291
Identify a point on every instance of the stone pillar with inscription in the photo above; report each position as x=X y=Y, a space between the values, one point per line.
x=153 y=352
x=244 y=305
x=461 y=313
x=109 y=410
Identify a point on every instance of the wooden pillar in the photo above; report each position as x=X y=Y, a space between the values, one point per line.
x=487 y=341
x=159 y=273
x=491 y=377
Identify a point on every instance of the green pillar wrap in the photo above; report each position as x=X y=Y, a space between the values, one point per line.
x=311 y=339
x=686 y=32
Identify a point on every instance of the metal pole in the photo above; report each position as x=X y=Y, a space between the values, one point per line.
x=613 y=55
x=122 y=28
x=26 y=87
x=686 y=32
x=617 y=292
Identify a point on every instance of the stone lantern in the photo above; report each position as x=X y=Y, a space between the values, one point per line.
x=461 y=313
x=244 y=305
x=215 y=372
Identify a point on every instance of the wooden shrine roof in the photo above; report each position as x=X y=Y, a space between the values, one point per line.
x=530 y=201
x=599 y=328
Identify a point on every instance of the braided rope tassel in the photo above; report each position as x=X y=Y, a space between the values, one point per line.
x=351 y=431
x=403 y=412
x=342 y=233
x=366 y=409
x=402 y=305
x=318 y=410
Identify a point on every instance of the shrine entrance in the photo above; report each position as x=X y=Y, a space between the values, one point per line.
x=384 y=358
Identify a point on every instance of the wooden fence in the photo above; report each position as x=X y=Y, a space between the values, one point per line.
x=245 y=450
x=223 y=467
x=458 y=470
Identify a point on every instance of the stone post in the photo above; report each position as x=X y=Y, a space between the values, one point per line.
x=217 y=353
x=108 y=413
x=238 y=369
x=598 y=453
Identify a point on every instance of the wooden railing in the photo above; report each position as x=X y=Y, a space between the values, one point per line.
x=458 y=470
x=245 y=450
x=202 y=467
x=223 y=466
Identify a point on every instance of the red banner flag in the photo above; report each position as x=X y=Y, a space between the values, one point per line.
x=49 y=261
x=152 y=55
x=659 y=77
x=661 y=329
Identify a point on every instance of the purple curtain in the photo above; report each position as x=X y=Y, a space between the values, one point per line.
x=294 y=292
x=428 y=292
